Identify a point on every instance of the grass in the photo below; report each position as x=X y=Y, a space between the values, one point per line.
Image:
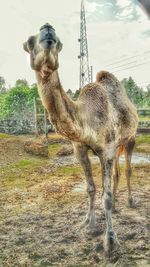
x=23 y=164
x=69 y=170
x=4 y=135
x=144 y=118
x=39 y=225
x=53 y=149
x=36 y=170
x=28 y=163
x=27 y=182
x=21 y=173
x=55 y=136
x=143 y=139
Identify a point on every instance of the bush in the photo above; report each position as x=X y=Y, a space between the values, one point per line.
x=16 y=101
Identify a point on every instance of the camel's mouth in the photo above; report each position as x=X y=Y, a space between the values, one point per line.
x=47 y=37
x=45 y=74
x=47 y=43
x=48 y=40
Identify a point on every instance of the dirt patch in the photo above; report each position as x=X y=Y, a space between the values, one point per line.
x=35 y=148
x=11 y=149
x=65 y=151
x=41 y=215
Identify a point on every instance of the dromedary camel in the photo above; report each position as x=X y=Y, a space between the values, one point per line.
x=102 y=119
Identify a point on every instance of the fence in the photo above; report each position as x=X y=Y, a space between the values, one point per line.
x=42 y=124
x=35 y=121
x=144 y=125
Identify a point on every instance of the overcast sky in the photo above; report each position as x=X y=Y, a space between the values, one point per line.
x=118 y=37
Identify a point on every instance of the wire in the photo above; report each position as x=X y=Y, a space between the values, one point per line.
x=133 y=66
x=126 y=58
x=129 y=63
x=124 y=64
x=144 y=83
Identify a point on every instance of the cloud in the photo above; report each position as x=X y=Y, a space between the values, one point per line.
x=114 y=31
x=115 y=10
x=145 y=34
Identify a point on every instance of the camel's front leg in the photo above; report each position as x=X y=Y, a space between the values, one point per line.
x=107 y=165
x=116 y=176
x=128 y=171
x=81 y=152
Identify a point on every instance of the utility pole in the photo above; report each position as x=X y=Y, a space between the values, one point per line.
x=85 y=71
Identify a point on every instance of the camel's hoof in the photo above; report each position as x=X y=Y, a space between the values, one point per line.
x=89 y=224
x=93 y=232
x=110 y=242
x=84 y=223
x=131 y=203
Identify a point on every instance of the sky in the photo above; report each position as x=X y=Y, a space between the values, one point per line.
x=118 y=38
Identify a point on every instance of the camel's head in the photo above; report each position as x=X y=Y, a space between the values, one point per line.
x=43 y=49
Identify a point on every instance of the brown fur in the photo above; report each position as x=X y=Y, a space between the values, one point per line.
x=102 y=119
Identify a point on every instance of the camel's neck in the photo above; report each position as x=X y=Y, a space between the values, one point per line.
x=60 y=107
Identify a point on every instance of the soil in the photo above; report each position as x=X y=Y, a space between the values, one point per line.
x=41 y=213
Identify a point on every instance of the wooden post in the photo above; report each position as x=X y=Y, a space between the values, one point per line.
x=35 y=116
x=45 y=122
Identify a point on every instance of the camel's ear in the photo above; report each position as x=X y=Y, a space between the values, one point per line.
x=59 y=46
x=25 y=47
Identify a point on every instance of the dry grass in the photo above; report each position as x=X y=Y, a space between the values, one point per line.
x=41 y=214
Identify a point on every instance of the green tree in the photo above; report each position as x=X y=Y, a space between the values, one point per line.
x=76 y=94
x=2 y=85
x=70 y=93
x=134 y=92
x=147 y=95
x=17 y=101
x=21 y=83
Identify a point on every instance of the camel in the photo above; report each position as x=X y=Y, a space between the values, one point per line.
x=102 y=119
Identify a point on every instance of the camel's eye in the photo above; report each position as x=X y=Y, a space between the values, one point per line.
x=59 y=46
x=31 y=42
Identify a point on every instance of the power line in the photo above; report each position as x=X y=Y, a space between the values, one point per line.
x=120 y=61
x=134 y=66
x=144 y=83
x=124 y=65
x=126 y=58
x=129 y=63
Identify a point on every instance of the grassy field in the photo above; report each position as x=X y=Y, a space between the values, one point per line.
x=142 y=144
x=144 y=118
x=41 y=213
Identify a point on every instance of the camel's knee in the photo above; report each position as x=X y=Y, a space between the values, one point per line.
x=91 y=190
x=80 y=152
x=115 y=182
x=80 y=157
x=108 y=200
x=130 y=145
x=128 y=172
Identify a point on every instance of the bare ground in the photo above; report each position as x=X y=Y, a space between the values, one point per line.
x=41 y=214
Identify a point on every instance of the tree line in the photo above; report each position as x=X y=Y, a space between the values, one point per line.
x=20 y=98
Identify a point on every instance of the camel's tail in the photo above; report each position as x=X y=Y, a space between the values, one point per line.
x=104 y=75
x=121 y=150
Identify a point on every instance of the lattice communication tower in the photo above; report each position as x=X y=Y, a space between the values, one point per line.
x=85 y=71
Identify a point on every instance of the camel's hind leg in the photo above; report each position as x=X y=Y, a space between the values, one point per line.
x=128 y=149
x=107 y=159
x=116 y=176
x=81 y=152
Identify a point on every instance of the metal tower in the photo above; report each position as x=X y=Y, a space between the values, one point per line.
x=85 y=75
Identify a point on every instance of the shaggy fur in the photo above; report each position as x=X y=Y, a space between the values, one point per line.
x=102 y=119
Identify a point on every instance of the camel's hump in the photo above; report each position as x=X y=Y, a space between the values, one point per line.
x=103 y=75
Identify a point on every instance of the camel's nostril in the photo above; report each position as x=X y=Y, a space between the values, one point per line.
x=49 y=42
